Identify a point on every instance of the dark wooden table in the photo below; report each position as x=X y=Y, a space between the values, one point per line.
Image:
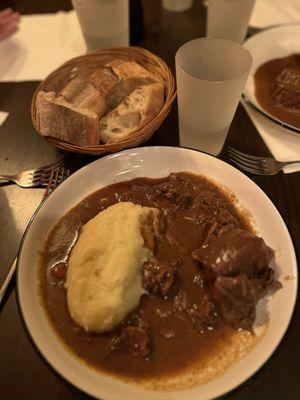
x=23 y=373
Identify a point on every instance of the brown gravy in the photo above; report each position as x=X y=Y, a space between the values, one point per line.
x=175 y=341
x=264 y=79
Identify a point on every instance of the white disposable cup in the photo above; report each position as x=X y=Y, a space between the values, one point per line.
x=228 y=19
x=210 y=74
x=177 y=5
x=104 y=23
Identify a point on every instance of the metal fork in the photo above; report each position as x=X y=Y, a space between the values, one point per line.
x=32 y=177
x=57 y=175
x=257 y=165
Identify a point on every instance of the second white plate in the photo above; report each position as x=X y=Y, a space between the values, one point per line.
x=277 y=42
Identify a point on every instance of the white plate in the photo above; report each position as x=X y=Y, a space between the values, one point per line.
x=272 y=43
x=153 y=162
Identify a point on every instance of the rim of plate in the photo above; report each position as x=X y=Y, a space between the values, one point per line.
x=260 y=109
x=160 y=394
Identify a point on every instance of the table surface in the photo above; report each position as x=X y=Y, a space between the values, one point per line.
x=23 y=373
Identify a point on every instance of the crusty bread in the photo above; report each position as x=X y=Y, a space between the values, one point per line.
x=58 y=118
x=118 y=79
x=107 y=86
x=72 y=115
x=82 y=94
x=138 y=108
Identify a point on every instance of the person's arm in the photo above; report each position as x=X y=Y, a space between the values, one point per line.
x=9 y=21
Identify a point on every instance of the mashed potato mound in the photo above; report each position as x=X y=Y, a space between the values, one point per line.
x=104 y=270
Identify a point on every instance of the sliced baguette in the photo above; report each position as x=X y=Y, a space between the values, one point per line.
x=72 y=115
x=82 y=94
x=58 y=118
x=106 y=87
x=138 y=108
x=118 y=79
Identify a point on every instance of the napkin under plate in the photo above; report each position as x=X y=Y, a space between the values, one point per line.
x=282 y=143
x=275 y=12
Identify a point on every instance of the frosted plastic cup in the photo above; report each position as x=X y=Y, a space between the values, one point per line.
x=177 y=5
x=104 y=23
x=210 y=74
x=228 y=19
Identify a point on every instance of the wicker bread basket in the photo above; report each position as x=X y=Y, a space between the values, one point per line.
x=57 y=79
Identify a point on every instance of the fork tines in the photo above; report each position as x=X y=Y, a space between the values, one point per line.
x=41 y=175
x=253 y=164
x=58 y=174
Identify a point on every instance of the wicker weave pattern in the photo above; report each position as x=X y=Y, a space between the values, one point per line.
x=85 y=64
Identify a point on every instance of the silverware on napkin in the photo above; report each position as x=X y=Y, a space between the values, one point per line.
x=32 y=177
x=57 y=175
x=257 y=165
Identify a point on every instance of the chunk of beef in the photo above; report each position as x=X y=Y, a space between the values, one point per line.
x=174 y=190
x=223 y=223
x=133 y=340
x=158 y=277
x=211 y=233
x=237 y=251
x=181 y=300
x=287 y=89
x=236 y=299
x=183 y=202
x=206 y=199
x=170 y=189
x=203 y=314
x=235 y=266
x=226 y=222
x=265 y=281
x=218 y=220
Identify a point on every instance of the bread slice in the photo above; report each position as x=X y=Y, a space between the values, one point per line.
x=82 y=94
x=106 y=87
x=58 y=118
x=118 y=79
x=139 y=108
x=73 y=116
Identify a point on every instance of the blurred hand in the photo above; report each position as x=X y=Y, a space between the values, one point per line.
x=9 y=21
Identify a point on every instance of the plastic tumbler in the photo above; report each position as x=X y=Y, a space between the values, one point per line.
x=104 y=23
x=228 y=19
x=210 y=74
x=177 y=5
